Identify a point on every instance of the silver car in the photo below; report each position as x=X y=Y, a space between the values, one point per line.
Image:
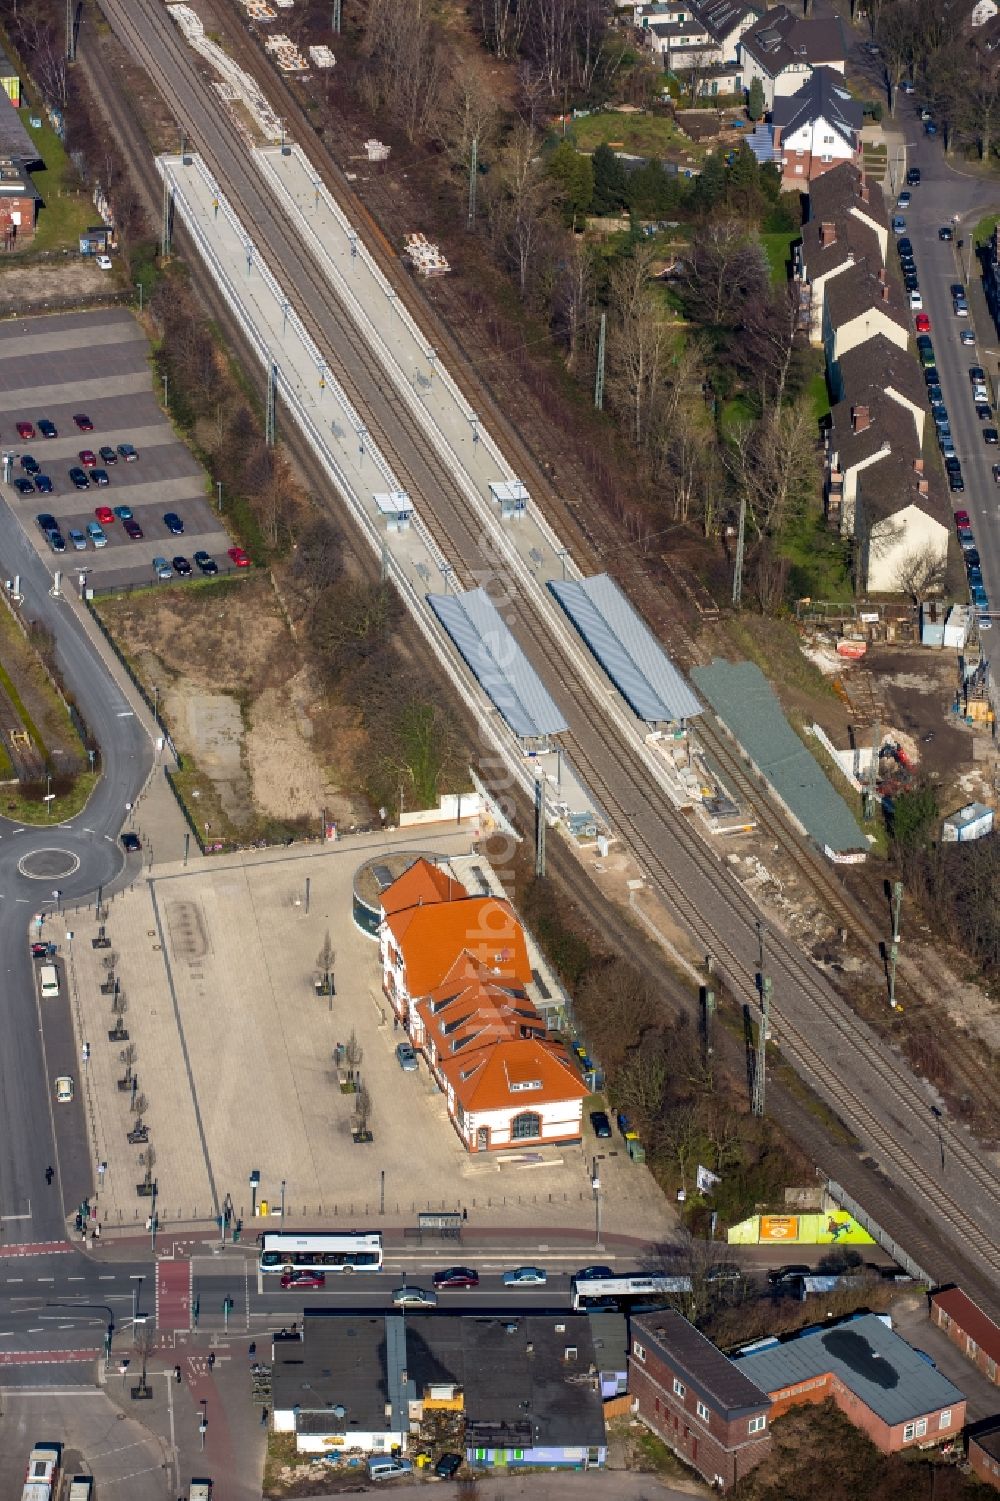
x=162 y=568
x=414 y=1297
x=78 y=540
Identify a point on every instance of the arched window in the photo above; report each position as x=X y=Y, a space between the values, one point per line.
x=526 y=1127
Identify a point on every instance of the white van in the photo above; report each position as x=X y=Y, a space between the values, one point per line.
x=48 y=979
x=387 y=1466
x=81 y=1488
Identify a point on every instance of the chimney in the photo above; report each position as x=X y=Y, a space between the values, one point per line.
x=918 y=466
x=827 y=235
x=923 y=488
x=860 y=419
x=885 y=291
x=863 y=193
x=881 y=275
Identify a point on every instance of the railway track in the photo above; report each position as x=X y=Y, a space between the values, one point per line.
x=847 y=1064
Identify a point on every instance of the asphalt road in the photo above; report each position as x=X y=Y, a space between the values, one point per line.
x=85 y=854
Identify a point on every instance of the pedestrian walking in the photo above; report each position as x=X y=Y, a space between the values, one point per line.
x=97 y=1229
x=50 y=1173
x=263 y=1417
x=177 y=1373
x=211 y=1360
x=252 y=1351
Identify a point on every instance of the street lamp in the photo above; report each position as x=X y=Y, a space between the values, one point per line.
x=282 y=1201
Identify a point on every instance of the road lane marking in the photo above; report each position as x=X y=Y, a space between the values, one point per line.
x=106 y=1279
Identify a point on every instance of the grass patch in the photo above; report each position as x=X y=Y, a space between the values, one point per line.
x=281 y=1453
x=737 y=413
x=66 y=211
x=983 y=232
x=778 y=249
x=29 y=810
x=200 y=797
x=819 y=395
x=6 y=769
x=819 y=558
x=641 y=135
x=774 y=646
x=657 y=1457
x=22 y=713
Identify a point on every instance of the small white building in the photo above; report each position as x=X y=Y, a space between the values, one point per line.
x=971 y=822
x=816 y=128
x=782 y=49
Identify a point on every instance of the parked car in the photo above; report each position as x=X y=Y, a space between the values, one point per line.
x=990 y=435
x=525 y=1276
x=898 y=224
x=996 y=474
x=78 y=540
x=25 y=431
x=97 y=534
x=83 y=422
x=47 y=429
x=724 y=1271
x=916 y=300
x=162 y=568
x=779 y=1274
x=601 y=1124
x=239 y=557
x=173 y=523
x=983 y=411
x=406 y=1058
x=88 y=458
x=922 y=323
x=206 y=563
x=967 y=337
x=977 y=375
x=132 y=843
x=64 y=1089
x=107 y=454
x=128 y=452
x=105 y=515
x=414 y=1297
x=104 y=263
x=912 y=173
x=133 y=530
x=904 y=246
x=903 y=201
x=934 y=394
x=43 y=484
x=981 y=396
x=46 y=522
x=303 y=1279
x=79 y=478
x=23 y=486
x=124 y=513
x=182 y=567
x=448 y=1465
x=962 y=518
x=456 y=1276
x=931 y=376
x=100 y=476
x=946 y=232
x=29 y=464
x=955 y=482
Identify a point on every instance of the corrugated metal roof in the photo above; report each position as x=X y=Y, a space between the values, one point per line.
x=872 y=1362
x=626 y=648
x=742 y=697
x=500 y=666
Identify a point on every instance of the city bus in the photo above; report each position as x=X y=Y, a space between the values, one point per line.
x=321 y=1251
x=624 y=1292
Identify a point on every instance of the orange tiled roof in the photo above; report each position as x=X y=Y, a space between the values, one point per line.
x=470 y=1006
x=488 y=1078
x=420 y=885
x=431 y=938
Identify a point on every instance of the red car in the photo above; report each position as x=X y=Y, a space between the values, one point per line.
x=83 y=422
x=923 y=323
x=456 y=1276
x=303 y=1279
x=88 y=458
x=25 y=430
x=105 y=515
x=132 y=529
x=962 y=518
x=239 y=557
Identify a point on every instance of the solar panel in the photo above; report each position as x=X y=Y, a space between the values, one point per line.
x=626 y=648
x=498 y=663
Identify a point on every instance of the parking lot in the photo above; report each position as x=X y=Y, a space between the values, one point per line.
x=234 y=1053
x=95 y=366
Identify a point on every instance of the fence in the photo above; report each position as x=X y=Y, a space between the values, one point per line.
x=899 y=1255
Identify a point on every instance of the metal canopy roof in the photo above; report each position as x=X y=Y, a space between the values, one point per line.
x=500 y=666
x=626 y=648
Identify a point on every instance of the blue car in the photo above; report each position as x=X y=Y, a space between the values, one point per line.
x=43 y=484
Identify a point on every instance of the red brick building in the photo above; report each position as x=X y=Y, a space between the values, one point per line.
x=984 y=1451
x=968 y=1327
x=696 y=1400
x=18 y=204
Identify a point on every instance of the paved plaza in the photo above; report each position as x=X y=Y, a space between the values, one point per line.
x=234 y=1060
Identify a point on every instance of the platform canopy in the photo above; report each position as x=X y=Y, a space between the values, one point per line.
x=626 y=648
x=498 y=663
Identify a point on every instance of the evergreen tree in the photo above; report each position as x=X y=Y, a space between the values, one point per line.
x=710 y=188
x=755 y=100
x=573 y=174
x=611 y=190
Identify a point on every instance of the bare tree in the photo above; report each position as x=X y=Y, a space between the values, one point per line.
x=895 y=29
x=638 y=340
x=724 y=269
x=775 y=463
x=353 y=1055
x=575 y=296
x=768 y=342
x=363 y=1113
x=325 y=961
x=519 y=203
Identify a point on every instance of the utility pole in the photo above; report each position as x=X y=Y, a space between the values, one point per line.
x=740 y=542
x=473 y=174
x=71 y=31
x=168 y=215
x=335 y=20
x=897 y=906
x=269 y=418
x=760 y=1057
x=871 y=781
x=599 y=380
x=892 y=957
x=539 y=828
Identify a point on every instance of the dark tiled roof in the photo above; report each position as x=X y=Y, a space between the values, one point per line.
x=986 y=1435
x=823 y=96
x=893 y=485
x=855 y=241
x=858 y=291
x=14 y=139
x=970 y=1318
x=781 y=38
x=712 y=1374
x=721 y=17
x=881 y=365
x=884 y=430
x=833 y=194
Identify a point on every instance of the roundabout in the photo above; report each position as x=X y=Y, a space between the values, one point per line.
x=48 y=864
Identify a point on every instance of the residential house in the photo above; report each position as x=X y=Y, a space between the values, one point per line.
x=884 y=367
x=969 y=1328
x=726 y=21
x=19 y=199
x=816 y=128
x=696 y=1400
x=827 y=248
x=845 y=190
x=984 y=1451
x=860 y=304
x=677 y=42
x=877 y=1380
x=519 y=1392
x=457 y=973
x=782 y=49
x=901 y=529
x=860 y=435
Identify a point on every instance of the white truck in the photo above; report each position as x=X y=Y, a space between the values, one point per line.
x=201 y=1490
x=81 y=1488
x=41 y=1478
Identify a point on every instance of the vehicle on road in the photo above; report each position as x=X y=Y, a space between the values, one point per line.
x=162 y=568
x=303 y=1279
x=779 y=1274
x=724 y=1271
x=173 y=523
x=593 y=1271
x=456 y=1276
x=983 y=411
x=930 y=128
x=100 y=477
x=132 y=843
x=406 y=1058
x=78 y=540
x=47 y=429
x=525 y=1276
x=23 y=486
x=321 y=1250
x=912 y=173
x=206 y=562
x=414 y=1297
x=601 y=1124
x=107 y=454
x=83 y=422
x=448 y=1465
x=48 y=981
x=968 y=338
x=946 y=232
x=128 y=452
x=97 y=534
x=105 y=515
x=64 y=1089
x=80 y=478
x=88 y=458
x=239 y=557
x=132 y=529
x=903 y=201
x=625 y=1291
x=922 y=323
x=990 y=435
x=182 y=567
x=43 y=484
